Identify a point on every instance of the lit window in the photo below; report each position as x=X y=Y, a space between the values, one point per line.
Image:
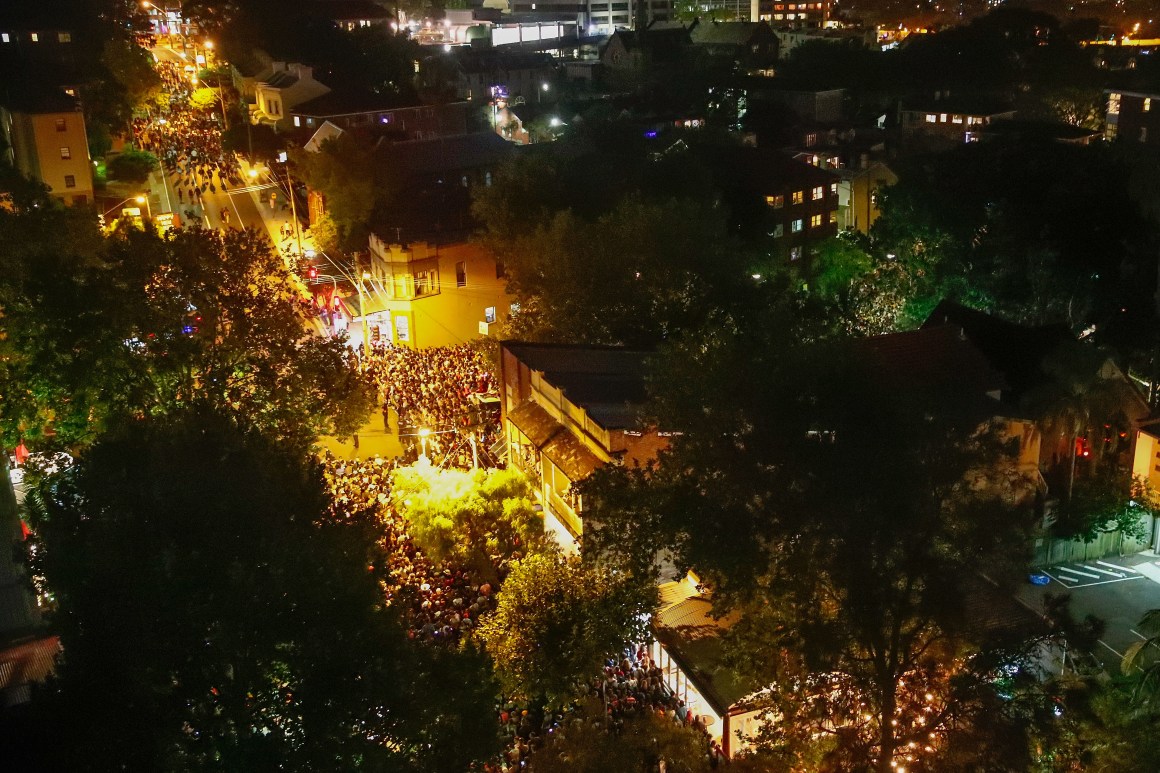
x=796 y=226
x=942 y=117
x=402 y=328
x=461 y=274
x=777 y=202
x=798 y=197
x=956 y=119
x=64 y=37
x=1147 y=104
x=297 y=120
x=818 y=192
x=815 y=221
x=4 y=38
x=65 y=153
x=834 y=187
x=931 y=118
x=489 y=315
x=35 y=38
x=795 y=253
x=70 y=181
x=1113 y=104
x=61 y=125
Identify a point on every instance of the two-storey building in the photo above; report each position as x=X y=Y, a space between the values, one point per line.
x=423 y=295
x=567 y=410
x=1134 y=117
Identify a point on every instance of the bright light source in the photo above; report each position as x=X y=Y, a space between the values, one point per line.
x=756 y=276
x=282 y=157
x=140 y=199
x=209 y=44
x=424 y=432
x=253 y=172
x=446 y=47
x=366 y=275
x=544 y=86
x=554 y=122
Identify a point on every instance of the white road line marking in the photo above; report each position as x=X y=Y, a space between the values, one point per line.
x=1106 y=571
x=1065 y=570
x=1117 y=566
x=1058 y=579
x=1080 y=572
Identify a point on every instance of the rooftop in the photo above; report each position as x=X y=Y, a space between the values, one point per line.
x=1017 y=351
x=726 y=33
x=350 y=10
x=341 y=102
x=608 y=382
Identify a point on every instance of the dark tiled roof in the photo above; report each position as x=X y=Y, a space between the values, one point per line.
x=1014 y=350
x=608 y=382
x=1050 y=130
x=464 y=151
x=726 y=33
x=281 y=80
x=937 y=358
x=336 y=103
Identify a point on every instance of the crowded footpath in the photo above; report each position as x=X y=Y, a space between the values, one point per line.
x=443 y=603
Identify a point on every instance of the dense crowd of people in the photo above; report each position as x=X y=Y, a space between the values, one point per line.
x=442 y=602
x=187 y=141
x=431 y=389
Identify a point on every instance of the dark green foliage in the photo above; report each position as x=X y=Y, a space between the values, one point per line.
x=132 y=165
x=204 y=588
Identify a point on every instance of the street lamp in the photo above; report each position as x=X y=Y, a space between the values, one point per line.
x=423 y=435
x=145 y=200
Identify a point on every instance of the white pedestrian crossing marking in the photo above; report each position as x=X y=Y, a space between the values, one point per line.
x=1081 y=573
x=1117 y=566
x=1105 y=571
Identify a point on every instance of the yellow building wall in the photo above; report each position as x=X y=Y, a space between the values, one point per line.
x=454 y=315
x=1146 y=460
x=52 y=168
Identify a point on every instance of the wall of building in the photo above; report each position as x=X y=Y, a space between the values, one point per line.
x=39 y=144
x=1133 y=117
x=453 y=315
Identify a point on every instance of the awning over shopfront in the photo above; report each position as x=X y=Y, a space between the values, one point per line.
x=568 y=454
x=535 y=423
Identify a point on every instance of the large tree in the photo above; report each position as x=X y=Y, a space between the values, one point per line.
x=204 y=587
x=829 y=503
x=556 y=622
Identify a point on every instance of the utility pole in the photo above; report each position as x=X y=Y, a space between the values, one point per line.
x=362 y=312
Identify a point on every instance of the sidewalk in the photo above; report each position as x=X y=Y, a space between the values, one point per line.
x=276 y=217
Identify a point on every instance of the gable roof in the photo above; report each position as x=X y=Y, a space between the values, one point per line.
x=1017 y=351
x=726 y=33
x=937 y=358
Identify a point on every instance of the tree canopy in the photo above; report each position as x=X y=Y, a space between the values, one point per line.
x=203 y=586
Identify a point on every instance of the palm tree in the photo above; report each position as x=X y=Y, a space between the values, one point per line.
x=1081 y=396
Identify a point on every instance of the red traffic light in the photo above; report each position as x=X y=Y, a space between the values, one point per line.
x=312 y=272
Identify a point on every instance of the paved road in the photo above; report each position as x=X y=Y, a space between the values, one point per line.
x=1117 y=590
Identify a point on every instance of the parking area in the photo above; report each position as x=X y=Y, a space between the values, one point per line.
x=1118 y=590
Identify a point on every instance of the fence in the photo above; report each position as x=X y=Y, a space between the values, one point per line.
x=1048 y=550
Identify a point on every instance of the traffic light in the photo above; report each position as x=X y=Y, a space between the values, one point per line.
x=312 y=272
